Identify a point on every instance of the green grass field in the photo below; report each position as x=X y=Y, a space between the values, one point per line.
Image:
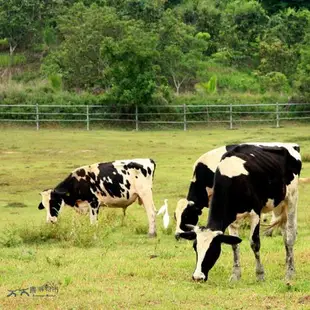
x=116 y=266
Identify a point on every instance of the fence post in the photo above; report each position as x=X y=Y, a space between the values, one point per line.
x=37 y=116
x=137 y=119
x=277 y=115
x=230 y=117
x=87 y=117
x=184 y=118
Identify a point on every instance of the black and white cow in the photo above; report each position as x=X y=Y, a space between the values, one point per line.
x=254 y=179
x=201 y=188
x=114 y=184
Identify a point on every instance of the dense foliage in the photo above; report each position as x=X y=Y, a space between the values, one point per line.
x=150 y=52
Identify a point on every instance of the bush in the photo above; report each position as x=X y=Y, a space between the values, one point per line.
x=56 y=81
x=229 y=78
x=275 y=81
x=18 y=59
x=26 y=76
x=230 y=97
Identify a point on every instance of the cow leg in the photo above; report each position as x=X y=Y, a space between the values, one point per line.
x=147 y=200
x=124 y=211
x=94 y=210
x=124 y=214
x=236 y=272
x=255 y=244
x=289 y=234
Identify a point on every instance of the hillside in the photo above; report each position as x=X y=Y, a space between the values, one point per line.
x=149 y=52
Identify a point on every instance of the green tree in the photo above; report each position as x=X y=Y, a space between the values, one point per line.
x=273 y=6
x=132 y=58
x=243 y=24
x=289 y=26
x=302 y=80
x=18 y=23
x=276 y=56
x=180 y=49
x=279 y=50
x=149 y=11
x=275 y=81
x=101 y=50
x=79 y=57
x=205 y=16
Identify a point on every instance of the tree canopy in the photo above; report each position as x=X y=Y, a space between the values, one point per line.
x=142 y=51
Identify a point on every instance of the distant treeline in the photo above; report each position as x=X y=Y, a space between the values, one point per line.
x=152 y=52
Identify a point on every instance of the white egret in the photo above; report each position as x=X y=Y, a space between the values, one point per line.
x=164 y=210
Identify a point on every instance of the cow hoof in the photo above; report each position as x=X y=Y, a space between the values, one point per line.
x=289 y=275
x=152 y=235
x=260 y=277
x=235 y=277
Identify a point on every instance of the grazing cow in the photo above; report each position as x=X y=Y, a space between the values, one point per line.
x=201 y=188
x=114 y=184
x=253 y=179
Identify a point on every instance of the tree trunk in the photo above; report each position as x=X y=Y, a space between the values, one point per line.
x=12 y=49
x=177 y=84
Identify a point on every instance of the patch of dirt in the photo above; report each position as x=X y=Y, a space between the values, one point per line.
x=16 y=205
x=86 y=151
x=304 y=300
x=9 y=152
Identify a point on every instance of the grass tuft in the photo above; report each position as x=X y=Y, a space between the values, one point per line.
x=10 y=239
x=167 y=231
x=141 y=230
x=71 y=230
x=305 y=158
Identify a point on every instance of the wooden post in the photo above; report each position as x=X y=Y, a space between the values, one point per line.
x=184 y=117
x=87 y=117
x=137 y=119
x=277 y=115
x=230 y=117
x=37 y=117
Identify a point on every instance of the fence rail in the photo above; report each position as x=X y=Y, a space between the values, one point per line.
x=183 y=115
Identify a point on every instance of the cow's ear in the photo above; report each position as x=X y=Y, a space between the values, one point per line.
x=189 y=235
x=228 y=239
x=61 y=192
x=41 y=207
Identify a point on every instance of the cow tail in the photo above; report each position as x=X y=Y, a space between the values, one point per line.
x=153 y=162
x=280 y=221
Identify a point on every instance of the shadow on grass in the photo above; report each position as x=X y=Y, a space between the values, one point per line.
x=15 y=205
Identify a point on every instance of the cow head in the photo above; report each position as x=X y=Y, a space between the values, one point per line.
x=52 y=201
x=188 y=210
x=208 y=249
x=186 y=213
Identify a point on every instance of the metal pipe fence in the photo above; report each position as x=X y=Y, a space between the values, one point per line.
x=182 y=115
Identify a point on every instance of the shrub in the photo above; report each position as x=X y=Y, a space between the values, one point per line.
x=18 y=59
x=275 y=81
x=56 y=81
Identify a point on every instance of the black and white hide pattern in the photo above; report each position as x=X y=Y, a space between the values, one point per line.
x=201 y=188
x=252 y=179
x=115 y=184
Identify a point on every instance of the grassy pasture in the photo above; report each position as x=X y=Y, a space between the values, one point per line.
x=115 y=265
